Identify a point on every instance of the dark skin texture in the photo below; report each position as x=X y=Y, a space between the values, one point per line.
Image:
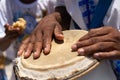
x=100 y=43
x=41 y=37
x=11 y=35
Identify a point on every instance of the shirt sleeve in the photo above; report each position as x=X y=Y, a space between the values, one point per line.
x=2 y=23
x=59 y=3
x=5 y=16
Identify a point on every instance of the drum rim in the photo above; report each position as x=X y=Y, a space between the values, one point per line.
x=77 y=74
x=73 y=77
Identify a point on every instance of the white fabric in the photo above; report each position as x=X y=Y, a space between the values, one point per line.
x=101 y=72
x=112 y=17
x=10 y=10
x=13 y=9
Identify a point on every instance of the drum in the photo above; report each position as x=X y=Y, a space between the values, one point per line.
x=61 y=63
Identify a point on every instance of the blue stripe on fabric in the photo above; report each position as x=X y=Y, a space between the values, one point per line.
x=89 y=8
x=116 y=68
x=91 y=2
x=99 y=14
x=2 y=75
x=86 y=13
x=82 y=2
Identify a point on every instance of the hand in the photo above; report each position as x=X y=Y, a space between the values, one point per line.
x=101 y=43
x=11 y=34
x=41 y=37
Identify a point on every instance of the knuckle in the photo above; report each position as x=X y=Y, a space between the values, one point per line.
x=115 y=36
x=93 y=40
x=88 y=51
x=91 y=30
x=100 y=46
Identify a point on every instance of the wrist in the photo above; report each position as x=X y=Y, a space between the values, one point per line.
x=57 y=16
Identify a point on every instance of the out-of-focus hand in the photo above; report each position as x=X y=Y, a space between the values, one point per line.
x=101 y=43
x=41 y=37
x=11 y=32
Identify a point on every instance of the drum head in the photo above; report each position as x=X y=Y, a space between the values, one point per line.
x=61 y=63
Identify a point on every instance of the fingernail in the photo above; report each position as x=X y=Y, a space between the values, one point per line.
x=96 y=54
x=81 y=51
x=25 y=53
x=34 y=56
x=74 y=47
x=61 y=35
x=46 y=51
x=19 y=52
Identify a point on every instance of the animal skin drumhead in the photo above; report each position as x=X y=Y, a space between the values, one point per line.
x=61 y=62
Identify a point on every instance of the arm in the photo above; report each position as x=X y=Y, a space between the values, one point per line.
x=11 y=34
x=7 y=32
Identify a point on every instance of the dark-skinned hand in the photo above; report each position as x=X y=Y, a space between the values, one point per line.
x=101 y=43
x=41 y=37
x=11 y=34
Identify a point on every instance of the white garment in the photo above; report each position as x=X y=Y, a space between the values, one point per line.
x=112 y=18
x=10 y=10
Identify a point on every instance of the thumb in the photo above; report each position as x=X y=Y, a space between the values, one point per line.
x=7 y=26
x=58 y=32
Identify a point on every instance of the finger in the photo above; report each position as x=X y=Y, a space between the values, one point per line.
x=96 y=32
x=38 y=45
x=58 y=32
x=91 y=41
x=12 y=36
x=37 y=50
x=28 y=51
x=7 y=26
x=98 y=47
x=47 y=38
x=21 y=49
x=11 y=28
x=23 y=46
x=107 y=55
x=30 y=45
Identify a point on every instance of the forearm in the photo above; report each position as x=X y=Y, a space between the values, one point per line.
x=63 y=17
x=4 y=43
